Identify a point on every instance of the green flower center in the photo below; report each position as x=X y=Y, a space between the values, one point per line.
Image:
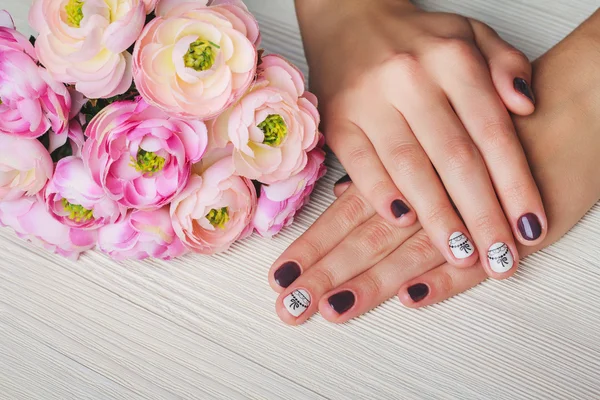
x=218 y=218
x=274 y=128
x=147 y=162
x=201 y=55
x=76 y=212
x=74 y=10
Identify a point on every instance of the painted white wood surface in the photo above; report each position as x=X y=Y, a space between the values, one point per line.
x=204 y=328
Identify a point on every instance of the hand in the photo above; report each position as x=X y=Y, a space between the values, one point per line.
x=351 y=259
x=407 y=95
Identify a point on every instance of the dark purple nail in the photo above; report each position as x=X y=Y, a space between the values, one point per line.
x=399 y=208
x=287 y=274
x=418 y=292
x=523 y=87
x=343 y=179
x=530 y=227
x=342 y=301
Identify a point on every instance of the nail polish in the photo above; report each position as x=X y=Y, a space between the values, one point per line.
x=287 y=274
x=342 y=301
x=460 y=245
x=523 y=87
x=343 y=179
x=297 y=302
x=399 y=208
x=500 y=257
x=530 y=227
x=418 y=292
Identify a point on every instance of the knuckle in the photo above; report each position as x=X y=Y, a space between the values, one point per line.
x=445 y=283
x=371 y=284
x=484 y=222
x=351 y=207
x=439 y=213
x=518 y=192
x=308 y=249
x=420 y=250
x=405 y=65
x=374 y=237
x=462 y=155
x=323 y=278
x=382 y=189
x=515 y=57
x=497 y=134
x=407 y=158
x=360 y=156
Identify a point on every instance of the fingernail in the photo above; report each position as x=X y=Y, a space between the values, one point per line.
x=460 y=245
x=297 y=302
x=523 y=87
x=342 y=301
x=530 y=227
x=287 y=274
x=500 y=257
x=343 y=179
x=399 y=208
x=418 y=292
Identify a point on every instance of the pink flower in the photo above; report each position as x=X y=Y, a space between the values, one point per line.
x=31 y=221
x=85 y=42
x=195 y=61
x=273 y=127
x=214 y=210
x=142 y=234
x=278 y=203
x=31 y=102
x=74 y=199
x=140 y=155
x=25 y=167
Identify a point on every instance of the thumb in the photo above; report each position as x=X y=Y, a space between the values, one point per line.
x=510 y=69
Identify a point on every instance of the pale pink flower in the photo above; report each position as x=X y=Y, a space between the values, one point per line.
x=25 y=167
x=74 y=199
x=194 y=61
x=142 y=234
x=273 y=127
x=214 y=210
x=31 y=221
x=85 y=42
x=278 y=203
x=140 y=155
x=31 y=101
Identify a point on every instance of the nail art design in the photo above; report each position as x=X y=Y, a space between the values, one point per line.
x=297 y=302
x=500 y=257
x=460 y=245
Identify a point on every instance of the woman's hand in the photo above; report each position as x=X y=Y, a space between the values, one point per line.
x=352 y=259
x=407 y=95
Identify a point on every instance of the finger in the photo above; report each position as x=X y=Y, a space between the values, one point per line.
x=509 y=68
x=381 y=282
x=341 y=218
x=411 y=170
x=341 y=185
x=359 y=158
x=462 y=170
x=364 y=247
x=440 y=284
x=472 y=95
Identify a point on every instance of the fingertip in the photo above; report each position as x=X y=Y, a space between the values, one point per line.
x=340 y=188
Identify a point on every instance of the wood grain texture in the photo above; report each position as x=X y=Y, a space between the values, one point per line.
x=205 y=327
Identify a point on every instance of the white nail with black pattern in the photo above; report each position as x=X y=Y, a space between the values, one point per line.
x=500 y=258
x=460 y=245
x=297 y=302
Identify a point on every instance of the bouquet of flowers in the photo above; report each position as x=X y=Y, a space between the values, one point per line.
x=150 y=128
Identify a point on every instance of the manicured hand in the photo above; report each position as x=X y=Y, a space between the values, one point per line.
x=414 y=106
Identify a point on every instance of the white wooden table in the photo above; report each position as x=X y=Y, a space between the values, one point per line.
x=204 y=328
